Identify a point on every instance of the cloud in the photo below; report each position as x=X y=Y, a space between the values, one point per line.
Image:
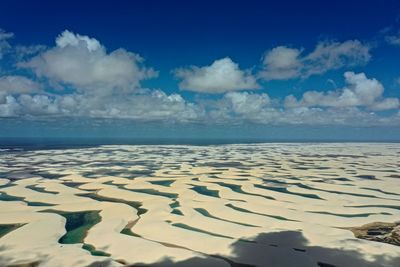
x=223 y=75
x=17 y=85
x=100 y=85
x=82 y=62
x=107 y=85
x=37 y=105
x=245 y=103
x=393 y=39
x=334 y=55
x=359 y=91
x=4 y=44
x=283 y=62
x=353 y=105
x=155 y=105
x=236 y=107
x=68 y=38
x=147 y=105
x=22 y=52
x=386 y=104
x=350 y=116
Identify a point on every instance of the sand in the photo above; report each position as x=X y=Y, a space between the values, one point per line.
x=261 y=204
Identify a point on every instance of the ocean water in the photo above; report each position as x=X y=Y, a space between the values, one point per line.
x=64 y=143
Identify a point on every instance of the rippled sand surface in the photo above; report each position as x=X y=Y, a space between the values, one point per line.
x=257 y=205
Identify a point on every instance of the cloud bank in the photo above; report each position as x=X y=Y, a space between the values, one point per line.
x=359 y=92
x=79 y=78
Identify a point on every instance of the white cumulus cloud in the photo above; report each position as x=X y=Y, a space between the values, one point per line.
x=82 y=62
x=223 y=75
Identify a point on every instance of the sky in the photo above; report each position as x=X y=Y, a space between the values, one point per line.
x=290 y=70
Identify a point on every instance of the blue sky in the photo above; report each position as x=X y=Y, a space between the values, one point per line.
x=290 y=70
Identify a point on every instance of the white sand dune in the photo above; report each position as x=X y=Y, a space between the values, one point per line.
x=262 y=204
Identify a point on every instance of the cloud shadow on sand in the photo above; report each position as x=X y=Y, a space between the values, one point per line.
x=283 y=249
